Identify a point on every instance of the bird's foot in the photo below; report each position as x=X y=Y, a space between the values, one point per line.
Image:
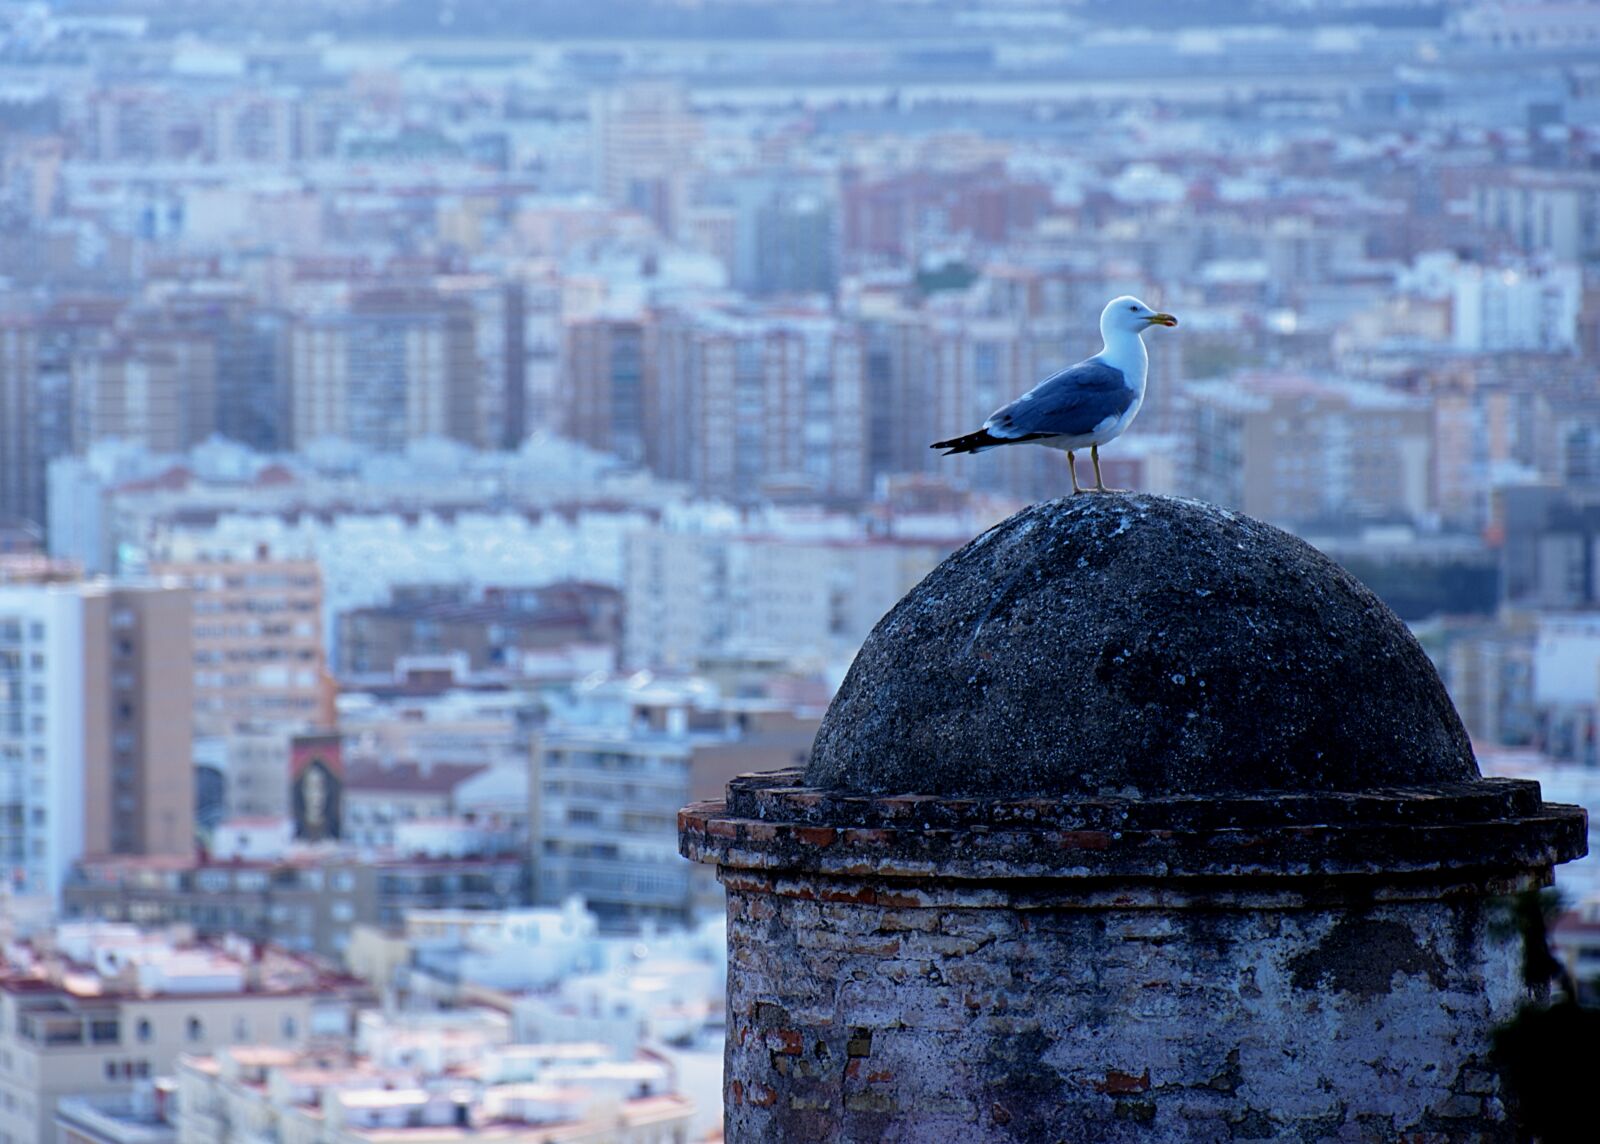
x=1103 y=489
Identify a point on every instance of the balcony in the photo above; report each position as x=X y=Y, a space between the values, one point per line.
x=123 y=1118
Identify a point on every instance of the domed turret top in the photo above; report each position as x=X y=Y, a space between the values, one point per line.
x=1138 y=646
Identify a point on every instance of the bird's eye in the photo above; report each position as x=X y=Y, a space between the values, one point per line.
x=1133 y=307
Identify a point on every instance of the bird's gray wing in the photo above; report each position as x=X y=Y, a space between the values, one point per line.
x=1067 y=404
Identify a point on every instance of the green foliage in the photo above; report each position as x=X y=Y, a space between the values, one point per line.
x=1544 y=1052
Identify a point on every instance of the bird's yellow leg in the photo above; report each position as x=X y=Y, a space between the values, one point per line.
x=1072 y=467
x=1100 y=485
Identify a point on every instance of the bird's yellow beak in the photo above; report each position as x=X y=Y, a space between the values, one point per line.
x=1162 y=320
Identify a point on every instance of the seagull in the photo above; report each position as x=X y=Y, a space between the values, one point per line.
x=1088 y=404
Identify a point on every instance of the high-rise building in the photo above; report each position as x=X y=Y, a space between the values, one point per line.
x=540 y=308
x=606 y=380
x=156 y=387
x=95 y=686
x=20 y=473
x=255 y=127
x=785 y=233
x=257 y=642
x=746 y=402
x=1527 y=307
x=495 y=310
x=1550 y=212
x=397 y=366
x=902 y=417
x=248 y=343
x=65 y=331
x=644 y=138
x=1296 y=450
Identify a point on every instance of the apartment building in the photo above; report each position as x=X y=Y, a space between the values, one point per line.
x=491 y=628
x=610 y=774
x=379 y=798
x=257 y=636
x=695 y=594
x=397 y=366
x=141 y=1116
x=21 y=477
x=644 y=137
x=748 y=399
x=91 y=1009
x=156 y=386
x=606 y=384
x=94 y=727
x=307 y=902
x=1297 y=450
x=414 y=1081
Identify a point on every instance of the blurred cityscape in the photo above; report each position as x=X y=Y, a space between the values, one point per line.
x=439 y=441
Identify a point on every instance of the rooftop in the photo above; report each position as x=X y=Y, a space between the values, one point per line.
x=556 y=1092
x=90 y=963
x=410 y=778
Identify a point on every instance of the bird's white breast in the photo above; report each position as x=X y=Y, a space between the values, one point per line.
x=1125 y=352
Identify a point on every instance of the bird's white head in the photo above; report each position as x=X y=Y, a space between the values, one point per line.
x=1128 y=315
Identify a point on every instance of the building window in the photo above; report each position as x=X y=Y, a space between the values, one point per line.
x=103 y=1032
x=241 y=1029
x=196 y=1030
x=143 y=1031
x=290 y=1028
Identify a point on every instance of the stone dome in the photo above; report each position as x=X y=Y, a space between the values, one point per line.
x=1138 y=646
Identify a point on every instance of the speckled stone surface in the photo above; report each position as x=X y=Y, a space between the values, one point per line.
x=1138 y=646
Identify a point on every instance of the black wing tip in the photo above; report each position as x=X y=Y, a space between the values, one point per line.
x=983 y=439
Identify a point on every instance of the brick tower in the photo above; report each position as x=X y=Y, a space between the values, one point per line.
x=1136 y=820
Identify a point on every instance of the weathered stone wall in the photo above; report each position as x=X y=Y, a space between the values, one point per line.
x=862 y=1014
